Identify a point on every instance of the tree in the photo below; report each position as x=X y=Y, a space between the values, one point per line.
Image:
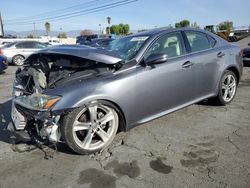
x=108 y=28
x=126 y=29
x=121 y=29
x=30 y=36
x=183 y=23
x=114 y=29
x=226 y=25
x=62 y=36
x=86 y=32
x=47 y=28
x=109 y=20
x=177 y=25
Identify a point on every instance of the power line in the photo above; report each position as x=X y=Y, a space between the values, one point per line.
x=75 y=14
x=78 y=6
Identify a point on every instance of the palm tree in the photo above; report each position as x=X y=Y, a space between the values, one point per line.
x=109 y=22
x=47 y=28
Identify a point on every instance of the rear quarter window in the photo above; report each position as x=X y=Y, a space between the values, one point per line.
x=212 y=41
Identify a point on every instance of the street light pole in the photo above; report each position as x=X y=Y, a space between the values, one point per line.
x=34 y=25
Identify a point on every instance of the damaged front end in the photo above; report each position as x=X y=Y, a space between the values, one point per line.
x=33 y=117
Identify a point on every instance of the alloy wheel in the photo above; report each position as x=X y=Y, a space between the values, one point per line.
x=229 y=88
x=18 y=60
x=94 y=126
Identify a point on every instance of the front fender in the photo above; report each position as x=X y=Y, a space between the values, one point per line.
x=120 y=91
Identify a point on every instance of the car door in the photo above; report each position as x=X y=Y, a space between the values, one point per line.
x=207 y=58
x=167 y=86
x=24 y=48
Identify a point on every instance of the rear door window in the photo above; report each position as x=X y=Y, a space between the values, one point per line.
x=38 y=45
x=198 y=41
x=24 y=45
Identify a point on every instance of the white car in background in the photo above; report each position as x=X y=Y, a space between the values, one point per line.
x=17 y=52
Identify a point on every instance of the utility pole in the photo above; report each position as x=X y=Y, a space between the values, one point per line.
x=34 y=29
x=1 y=26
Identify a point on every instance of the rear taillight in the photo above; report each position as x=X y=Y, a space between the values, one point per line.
x=1 y=51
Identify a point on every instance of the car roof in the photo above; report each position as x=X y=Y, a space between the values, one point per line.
x=154 y=31
x=158 y=31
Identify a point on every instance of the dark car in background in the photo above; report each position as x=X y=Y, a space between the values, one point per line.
x=87 y=39
x=17 y=52
x=99 y=42
x=3 y=63
x=246 y=54
x=83 y=39
x=82 y=96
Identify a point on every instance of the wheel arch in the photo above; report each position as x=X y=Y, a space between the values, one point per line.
x=122 y=118
x=235 y=71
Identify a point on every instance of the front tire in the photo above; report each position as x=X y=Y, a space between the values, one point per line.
x=91 y=128
x=227 y=88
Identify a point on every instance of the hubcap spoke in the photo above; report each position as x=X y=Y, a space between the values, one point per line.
x=103 y=135
x=224 y=86
x=80 y=126
x=232 y=85
x=87 y=141
x=225 y=94
x=93 y=113
x=228 y=79
x=107 y=118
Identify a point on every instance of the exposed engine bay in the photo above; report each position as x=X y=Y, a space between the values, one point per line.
x=31 y=108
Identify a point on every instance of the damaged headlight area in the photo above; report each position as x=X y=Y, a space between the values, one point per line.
x=37 y=101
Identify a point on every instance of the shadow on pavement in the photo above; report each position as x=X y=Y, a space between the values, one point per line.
x=5 y=118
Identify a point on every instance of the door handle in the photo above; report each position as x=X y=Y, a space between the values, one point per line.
x=220 y=54
x=187 y=64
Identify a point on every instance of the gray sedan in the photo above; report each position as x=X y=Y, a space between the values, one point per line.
x=83 y=96
x=17 y=52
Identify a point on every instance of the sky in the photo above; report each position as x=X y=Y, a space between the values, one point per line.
x=142 y=14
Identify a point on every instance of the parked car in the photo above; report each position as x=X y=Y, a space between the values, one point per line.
x=246 y=54
x=99 y=43
x=3 y=63
x=83 y=96
x=82 y=40
x=4 y=43
x=17 y=52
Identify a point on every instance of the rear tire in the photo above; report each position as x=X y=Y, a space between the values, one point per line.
x=18 y=60
x=91 y=128
x=227 y=88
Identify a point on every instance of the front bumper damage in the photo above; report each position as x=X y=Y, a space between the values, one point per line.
x=30 y=125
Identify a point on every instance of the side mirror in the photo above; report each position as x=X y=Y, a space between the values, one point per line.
x=248 y=44
x=156 y=59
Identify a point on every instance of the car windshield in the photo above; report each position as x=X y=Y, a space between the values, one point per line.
x=9 y=44
x=127 y=47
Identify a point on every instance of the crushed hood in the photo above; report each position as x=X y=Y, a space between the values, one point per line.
x=85 y=52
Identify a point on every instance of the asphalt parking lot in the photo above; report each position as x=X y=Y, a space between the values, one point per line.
x=199 y=146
